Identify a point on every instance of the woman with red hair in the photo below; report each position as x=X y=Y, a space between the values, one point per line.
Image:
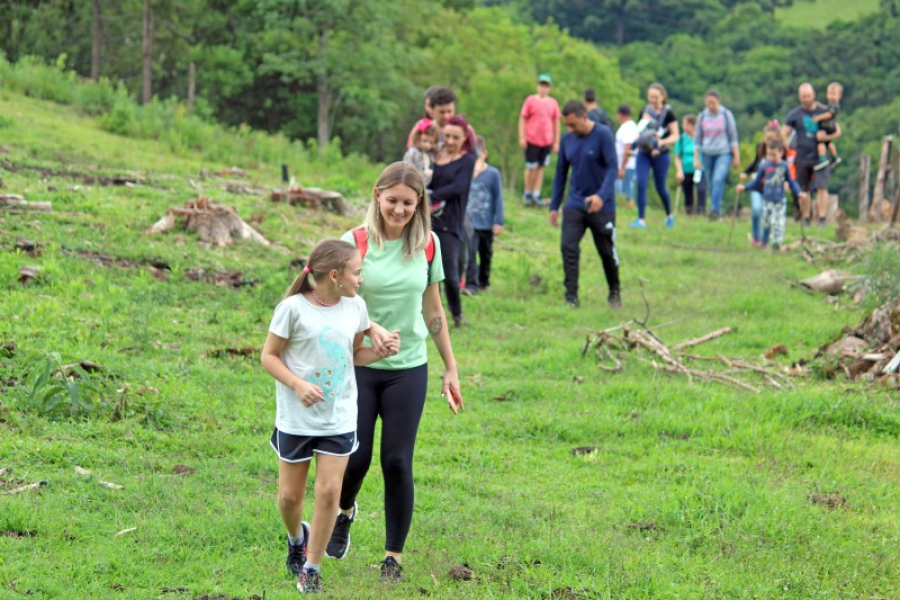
x=449 y=193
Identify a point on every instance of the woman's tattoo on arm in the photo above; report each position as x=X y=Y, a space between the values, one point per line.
x=436 y=325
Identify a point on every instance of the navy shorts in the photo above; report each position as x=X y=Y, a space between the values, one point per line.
x=537 y=156
x=300 y=448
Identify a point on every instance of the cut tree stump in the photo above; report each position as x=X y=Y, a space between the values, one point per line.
x=314 y=198
x=215 y=223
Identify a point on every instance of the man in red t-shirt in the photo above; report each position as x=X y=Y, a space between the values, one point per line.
x=539 y=131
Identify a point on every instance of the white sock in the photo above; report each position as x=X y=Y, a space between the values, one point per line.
x=310 y=566
x=296 y=540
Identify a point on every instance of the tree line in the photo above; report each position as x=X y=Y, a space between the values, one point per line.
x=356 y=69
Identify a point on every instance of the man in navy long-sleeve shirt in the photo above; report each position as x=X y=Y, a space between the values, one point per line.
x=589 y=149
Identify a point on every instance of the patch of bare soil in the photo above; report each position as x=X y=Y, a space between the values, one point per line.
x=831 y=501
x=84 y=177
x=230 y=278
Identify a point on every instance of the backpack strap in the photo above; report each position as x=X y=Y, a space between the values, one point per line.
x=360 y=236
x=361 y=239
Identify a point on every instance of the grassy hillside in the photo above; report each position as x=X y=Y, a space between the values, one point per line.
x=694 y=490
x=818 y=14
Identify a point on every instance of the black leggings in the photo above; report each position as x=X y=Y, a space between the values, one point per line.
x=450 y=246
x=398 y=397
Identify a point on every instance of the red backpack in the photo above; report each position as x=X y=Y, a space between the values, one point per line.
x=362 y=244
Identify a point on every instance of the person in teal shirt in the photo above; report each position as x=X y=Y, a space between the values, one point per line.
x=684 y=169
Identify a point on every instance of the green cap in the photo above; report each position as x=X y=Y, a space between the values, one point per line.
x=545 y=78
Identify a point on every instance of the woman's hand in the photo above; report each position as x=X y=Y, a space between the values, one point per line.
x=380 y=338
x=450 y=390
x=308 y=393
x=680 y=176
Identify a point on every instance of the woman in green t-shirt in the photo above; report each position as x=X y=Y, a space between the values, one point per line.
x=400 y=287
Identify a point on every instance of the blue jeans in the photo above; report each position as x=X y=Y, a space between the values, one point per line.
x=716 y=168
x=626 y=185
x=660 y=166
x=756 y=211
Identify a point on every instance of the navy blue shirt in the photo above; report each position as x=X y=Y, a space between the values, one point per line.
x=594 y=165
x=770 y=180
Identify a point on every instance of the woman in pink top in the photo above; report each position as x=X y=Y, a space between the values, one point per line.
x=539 y=132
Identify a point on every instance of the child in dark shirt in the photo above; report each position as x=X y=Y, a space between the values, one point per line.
x=828 y=126
x=770 y=180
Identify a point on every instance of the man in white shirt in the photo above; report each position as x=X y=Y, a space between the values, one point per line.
x=626 y=135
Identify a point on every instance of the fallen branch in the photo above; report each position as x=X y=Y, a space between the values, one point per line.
x=17 y=201
x=25 y=488
x=702 y=339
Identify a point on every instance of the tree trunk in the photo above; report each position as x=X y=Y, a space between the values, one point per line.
x=883 y=166
x=192 y=83
x=325 y=96
x=865 y=168
x=96 y=38
x=148 y=54
x=620 y=23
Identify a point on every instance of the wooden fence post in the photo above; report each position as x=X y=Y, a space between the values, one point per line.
x=865 y=168
x=895 y=215
x=883 y=166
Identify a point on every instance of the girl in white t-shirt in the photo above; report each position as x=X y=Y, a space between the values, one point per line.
x=314 y=340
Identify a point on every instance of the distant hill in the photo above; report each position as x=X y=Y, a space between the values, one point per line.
x=819 y=13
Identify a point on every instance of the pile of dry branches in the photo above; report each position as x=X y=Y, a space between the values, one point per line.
x=871 y=350
x=818 y=250
x=611 y=349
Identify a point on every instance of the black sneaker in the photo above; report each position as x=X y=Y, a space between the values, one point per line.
x=339 y=544
x=572 y=301
x=459 y=321
x=615 y=299
x=310 y=582
x=391 y=571
x=822 y=164
x=296 y=557
x=469 y=291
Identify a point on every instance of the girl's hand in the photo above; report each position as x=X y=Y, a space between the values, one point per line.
x=379 y=337
x=680 y=176
x=450 y=390
x=742 y=176
x=308 y=393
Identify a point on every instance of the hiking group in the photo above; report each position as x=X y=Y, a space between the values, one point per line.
x=347 y=343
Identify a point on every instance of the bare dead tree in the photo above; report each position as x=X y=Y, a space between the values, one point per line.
x=148 y=54
x=96 y=39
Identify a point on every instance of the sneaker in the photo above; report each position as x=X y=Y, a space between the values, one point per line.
x=713 y=215
x=310 y=582
x=755 y=243
x=821 y=222
x=776 y=247
x=469 y=291
x=807 y=222
x=459 y=321
x=836 y=161
x=296 y=557
x=764 y=246
x=339 y=544
x=572 y=301
x=615 y=299
x=670 y=222
x=822 y=164
x=391 y=570
x=638 y=224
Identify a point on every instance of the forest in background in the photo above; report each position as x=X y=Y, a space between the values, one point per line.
x=356 y=69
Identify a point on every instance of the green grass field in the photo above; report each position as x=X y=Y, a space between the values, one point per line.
x=818 y=14
x=694 y=490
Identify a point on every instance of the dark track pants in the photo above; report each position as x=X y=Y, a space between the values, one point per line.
x=603 y=229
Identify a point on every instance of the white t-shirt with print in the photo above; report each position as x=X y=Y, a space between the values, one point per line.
x=626 y=135
x=320 y=351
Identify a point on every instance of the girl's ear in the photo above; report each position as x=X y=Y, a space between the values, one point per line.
x=334 y=275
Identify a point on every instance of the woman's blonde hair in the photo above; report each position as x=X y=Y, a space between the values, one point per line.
x=416 y=232
x=327 y=256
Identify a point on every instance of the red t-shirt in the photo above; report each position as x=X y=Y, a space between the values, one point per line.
x=540 y=120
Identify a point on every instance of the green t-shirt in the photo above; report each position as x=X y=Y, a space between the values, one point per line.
x=392 y=288
x=684 y=147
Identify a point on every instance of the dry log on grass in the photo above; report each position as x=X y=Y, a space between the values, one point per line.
x=215 y=223
x=17 y=201
x=830 y=281
x=314 y=198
